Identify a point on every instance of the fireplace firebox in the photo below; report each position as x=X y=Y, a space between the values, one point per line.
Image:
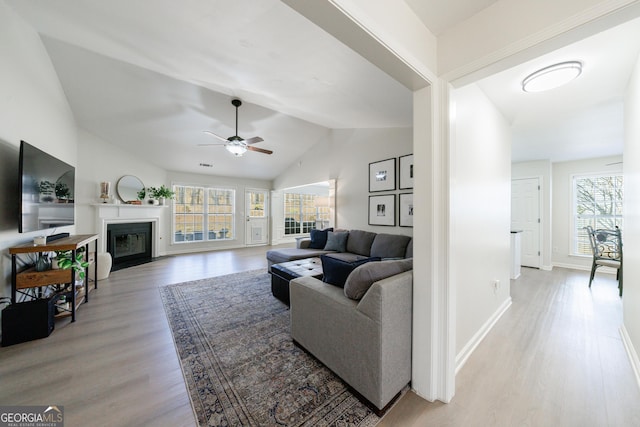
x=129 y=244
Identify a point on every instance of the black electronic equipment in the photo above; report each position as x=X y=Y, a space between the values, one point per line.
x=47 y=188
x=27 y=321
x=58 y=236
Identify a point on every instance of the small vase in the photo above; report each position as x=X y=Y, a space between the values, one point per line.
x=43 y=263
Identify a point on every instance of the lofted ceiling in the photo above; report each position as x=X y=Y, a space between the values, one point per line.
x=150 y=77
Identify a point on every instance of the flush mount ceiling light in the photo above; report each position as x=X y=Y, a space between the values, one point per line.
x=552 y=76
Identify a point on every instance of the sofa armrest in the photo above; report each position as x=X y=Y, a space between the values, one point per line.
x=397 y=288
x=367 y=342
x=303 y=242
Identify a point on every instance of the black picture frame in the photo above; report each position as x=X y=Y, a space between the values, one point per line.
x=382 y=175
x=405 y=209
x=382 y=210
x=406 y=171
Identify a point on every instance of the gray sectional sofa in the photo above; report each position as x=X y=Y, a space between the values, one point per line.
x=361 y=330
x=359 y=244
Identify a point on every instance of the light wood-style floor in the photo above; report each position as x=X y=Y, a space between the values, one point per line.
x=554 y=359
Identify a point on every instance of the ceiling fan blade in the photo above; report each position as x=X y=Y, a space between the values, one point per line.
x=253 y=140
x=208 y=132
x=259 y=150
x=214 y=144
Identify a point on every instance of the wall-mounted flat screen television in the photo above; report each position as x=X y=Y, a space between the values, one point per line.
x=47 y=187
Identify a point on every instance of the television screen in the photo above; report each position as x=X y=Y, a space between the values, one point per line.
x=47 y=187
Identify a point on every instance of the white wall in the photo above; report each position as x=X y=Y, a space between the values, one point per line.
x=563 y=173
x=480 y=217
x=33 y=108
x=631 y=296
x=345 y=156
x=98 y=161
x=540 y=169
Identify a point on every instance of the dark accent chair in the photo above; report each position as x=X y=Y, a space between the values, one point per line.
x=606 y=246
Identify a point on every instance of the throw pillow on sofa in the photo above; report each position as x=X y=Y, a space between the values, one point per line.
x=390 y=245
x=362 y=277
x=337 y=241
x=319 y=238
x=335 y=271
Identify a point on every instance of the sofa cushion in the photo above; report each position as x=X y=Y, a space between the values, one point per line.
x=277 y=256
x=346 y=256
x=335 y=271
x=409 y=253
x=359 y=242
x=337 y=241
x=363 y=276
x=319 y=238
x=389 y=245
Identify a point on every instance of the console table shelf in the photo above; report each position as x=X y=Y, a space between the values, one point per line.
x=30 y=278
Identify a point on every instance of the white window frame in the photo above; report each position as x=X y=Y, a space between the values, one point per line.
x=320 y=216
x=575 y=217
x=205 y=214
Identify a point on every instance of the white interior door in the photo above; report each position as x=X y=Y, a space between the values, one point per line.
x=525 y=216
x=257 y=217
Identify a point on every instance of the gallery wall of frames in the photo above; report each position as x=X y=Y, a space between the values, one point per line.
x=391 y=204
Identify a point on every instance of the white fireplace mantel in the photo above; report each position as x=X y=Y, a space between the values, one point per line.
x=107 y=213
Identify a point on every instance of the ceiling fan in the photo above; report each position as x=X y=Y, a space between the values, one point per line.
x=236 y=145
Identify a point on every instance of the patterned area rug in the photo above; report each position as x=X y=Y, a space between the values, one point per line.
x=240 y=364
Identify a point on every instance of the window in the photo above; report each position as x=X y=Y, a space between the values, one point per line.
x=257 y=204
x=302 y=212
x=598 y=203
x=203 y=214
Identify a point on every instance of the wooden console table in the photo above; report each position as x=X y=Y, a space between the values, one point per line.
x=30 y=278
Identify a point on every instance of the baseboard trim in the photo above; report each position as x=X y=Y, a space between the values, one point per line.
x=470 y=347
x=572 y=266
x=606 y=270
x=631 y=352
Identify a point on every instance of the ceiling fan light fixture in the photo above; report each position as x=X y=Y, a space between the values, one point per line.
x=236 y=150
x=551 y=77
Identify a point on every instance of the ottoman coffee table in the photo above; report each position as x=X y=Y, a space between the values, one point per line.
x=283 y=273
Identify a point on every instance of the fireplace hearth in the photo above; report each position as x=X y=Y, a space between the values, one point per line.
x=129 y=244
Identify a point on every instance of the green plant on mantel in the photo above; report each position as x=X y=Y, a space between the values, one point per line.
x=142 y=194
x=66 y=261
x=161 y=193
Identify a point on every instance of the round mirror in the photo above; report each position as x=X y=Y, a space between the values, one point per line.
x=128 y=188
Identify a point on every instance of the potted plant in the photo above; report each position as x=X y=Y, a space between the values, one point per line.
x=79 y=264
x=151 y=194
x=142 y=194
x=161 y=194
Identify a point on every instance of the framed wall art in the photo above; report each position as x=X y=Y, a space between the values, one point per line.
x=406 y=210
x=406 y=172
x=382 y=175
x=382 y=210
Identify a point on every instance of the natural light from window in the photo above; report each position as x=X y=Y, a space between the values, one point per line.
x=597 y=202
